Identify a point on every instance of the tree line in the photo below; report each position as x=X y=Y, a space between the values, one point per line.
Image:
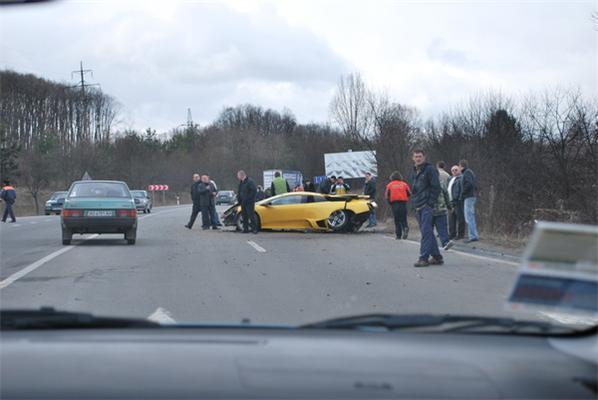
x=534 y=158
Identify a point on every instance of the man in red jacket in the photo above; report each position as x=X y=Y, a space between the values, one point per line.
x=397 y=194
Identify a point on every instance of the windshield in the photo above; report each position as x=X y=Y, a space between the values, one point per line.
x=139 y=195
x=99 y=189
x=301 y=160
x=58 y=195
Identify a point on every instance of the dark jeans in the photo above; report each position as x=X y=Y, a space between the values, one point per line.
x=214 y=216
x=457 y=221
x=399 y=212
x=8 y=211
x=248 y=215
x=428 y=245
x=196 y=210
x=205 y=216
x=440 y=223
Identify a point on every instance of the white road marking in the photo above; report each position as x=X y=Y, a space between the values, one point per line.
x=32 y=267
x=516 y=264
x=569 y=319
x=256 y=246
x=161 y=316
x=33 y=222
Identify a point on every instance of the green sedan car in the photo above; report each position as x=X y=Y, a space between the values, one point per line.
x=99 y=207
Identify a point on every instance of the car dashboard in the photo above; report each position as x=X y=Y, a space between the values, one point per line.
x=288 y=363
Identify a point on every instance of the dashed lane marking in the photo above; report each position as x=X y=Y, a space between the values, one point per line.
x=161 y=316
x=256 y=246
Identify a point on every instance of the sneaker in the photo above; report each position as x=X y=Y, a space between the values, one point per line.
x=405 y=233
x=436 y=261
x=421 y=263
x=448 y=245
x=187 y=226
x=398 y=237
x=471 y=240
x=215 y=227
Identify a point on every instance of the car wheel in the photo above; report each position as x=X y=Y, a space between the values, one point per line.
x=47 y=213
x=67 y=236
x=149 y=210
x=239 y=223
x=338 y=220
x=145 y=210
x=131 y=236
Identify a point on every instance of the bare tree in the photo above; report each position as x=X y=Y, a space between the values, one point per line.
x=350 y=107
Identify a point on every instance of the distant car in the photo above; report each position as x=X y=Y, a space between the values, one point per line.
x=226 y=197
x=99 y=207
x=142 y=201
x=55 y=202
x=307 y=210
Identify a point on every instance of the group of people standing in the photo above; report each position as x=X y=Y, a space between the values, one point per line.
x=443 y=202
x=203 y=195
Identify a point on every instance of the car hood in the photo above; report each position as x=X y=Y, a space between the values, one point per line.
x=92 y=202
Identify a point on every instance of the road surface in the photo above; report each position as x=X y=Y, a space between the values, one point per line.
x=221 y=276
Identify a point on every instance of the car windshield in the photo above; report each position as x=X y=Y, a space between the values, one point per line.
x=301 y=160
x=99 y=189
x=58 y=195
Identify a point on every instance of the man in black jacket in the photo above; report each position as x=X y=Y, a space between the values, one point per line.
x=370 y=190
x=195 y=200
x=326 y=185
x=246 y=194
x=456 y=216
x=468 y=195
x=425 y=188
x=204 y=192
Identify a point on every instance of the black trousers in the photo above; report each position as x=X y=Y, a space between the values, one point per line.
x=248 y=215
x=8 y=211
x=205 y=216
x=399 y=211
x=457 y=221
x=196 y=210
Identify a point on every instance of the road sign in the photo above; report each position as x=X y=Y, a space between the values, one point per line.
x=157 y=188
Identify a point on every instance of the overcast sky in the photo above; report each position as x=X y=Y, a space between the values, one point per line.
x=159 y=58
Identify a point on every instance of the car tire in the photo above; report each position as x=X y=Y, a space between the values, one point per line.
x=149 y=210
x=339 y=220
x=67 y=236
x=47 y=213
x=239 y=222
x=131 y=236
x=145 y=210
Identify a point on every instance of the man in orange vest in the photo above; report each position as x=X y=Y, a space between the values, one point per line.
x=9 y=195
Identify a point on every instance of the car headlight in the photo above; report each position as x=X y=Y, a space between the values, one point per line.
x=48 y=203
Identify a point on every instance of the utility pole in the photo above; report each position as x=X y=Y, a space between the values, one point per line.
x=189 y=119
x=82 y=72
x=83 y=112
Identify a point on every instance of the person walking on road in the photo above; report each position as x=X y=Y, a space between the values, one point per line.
x=442 y=174
x=279 y=185
x=397 y=194
x=370 y=190
x=340 y=187
x=425 y=188
x=9 y=195
x=456 y=216
x=213 y=212
x=247 y=192
x=260 y=194
x=326 y=185
x=440 y=216
x=204 y=193
x=468 y=195
x=195 y=200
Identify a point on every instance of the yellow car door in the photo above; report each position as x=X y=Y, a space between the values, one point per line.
x=284 y=212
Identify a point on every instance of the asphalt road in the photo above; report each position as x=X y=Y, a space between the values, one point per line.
x=222 y=276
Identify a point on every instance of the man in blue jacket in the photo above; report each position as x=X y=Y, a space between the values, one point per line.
x=9 y=195
x=425 y=188
x=468 y=196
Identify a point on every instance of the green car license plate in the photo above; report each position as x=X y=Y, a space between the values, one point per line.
x=99 y=213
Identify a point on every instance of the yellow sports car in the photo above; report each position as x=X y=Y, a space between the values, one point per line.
x=306 y=210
